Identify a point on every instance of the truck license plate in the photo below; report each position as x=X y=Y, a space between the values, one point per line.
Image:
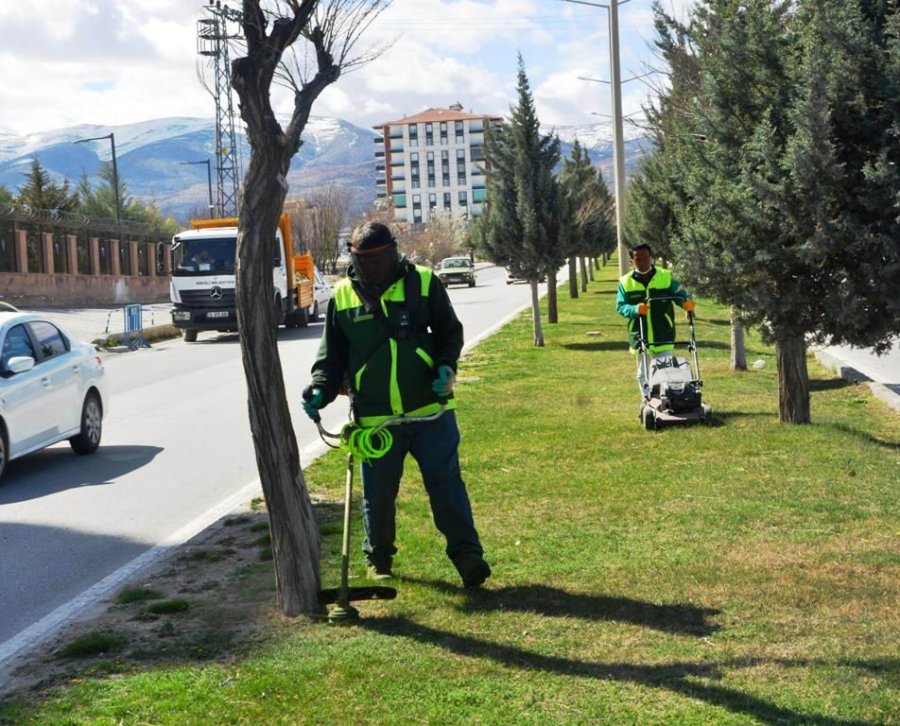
x=217 y=314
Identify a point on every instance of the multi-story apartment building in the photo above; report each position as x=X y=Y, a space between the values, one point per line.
x=433 y=162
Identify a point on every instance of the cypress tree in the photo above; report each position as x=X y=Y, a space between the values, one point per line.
x=519 y=227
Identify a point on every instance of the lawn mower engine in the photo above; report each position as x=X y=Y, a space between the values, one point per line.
x=672 y=382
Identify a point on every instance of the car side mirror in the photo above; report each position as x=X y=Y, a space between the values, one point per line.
x=20 y=364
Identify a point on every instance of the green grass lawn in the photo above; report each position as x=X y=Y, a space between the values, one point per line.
x=736 y=573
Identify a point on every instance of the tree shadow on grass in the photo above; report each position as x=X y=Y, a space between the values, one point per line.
x=828 y=384
x=687 y=679
x=677 y=619
x=620 y=345
x=863 y=436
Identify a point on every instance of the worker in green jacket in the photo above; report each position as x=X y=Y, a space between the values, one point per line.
x=650 y=292
x=392 y=340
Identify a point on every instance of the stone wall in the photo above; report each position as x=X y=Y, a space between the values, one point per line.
x=51 y=290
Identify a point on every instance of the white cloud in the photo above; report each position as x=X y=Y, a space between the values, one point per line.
x=119 y=61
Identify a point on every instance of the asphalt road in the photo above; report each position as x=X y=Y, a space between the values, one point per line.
x=176 y=456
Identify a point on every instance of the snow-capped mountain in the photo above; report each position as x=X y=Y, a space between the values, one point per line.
x=150 y=156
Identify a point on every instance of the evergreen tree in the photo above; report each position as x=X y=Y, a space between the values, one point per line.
x=590 y=229
x=40 y=192
x=787 y=210
x=6 y=197
x=520 y=228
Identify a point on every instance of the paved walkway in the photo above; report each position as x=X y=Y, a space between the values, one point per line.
x=97 y=323
x=859 y=364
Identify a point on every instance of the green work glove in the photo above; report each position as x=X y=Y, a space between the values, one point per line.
x=443 y=384
x=312 y=401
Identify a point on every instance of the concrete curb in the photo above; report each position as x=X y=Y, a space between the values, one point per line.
x=849 y=373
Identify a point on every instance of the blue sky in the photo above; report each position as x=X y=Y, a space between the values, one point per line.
x=110 y=62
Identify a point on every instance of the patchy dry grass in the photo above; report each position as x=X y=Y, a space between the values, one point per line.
x=742 y=572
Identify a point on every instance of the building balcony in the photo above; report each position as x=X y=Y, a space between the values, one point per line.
x=379 y=154
x=378 y=139
x=397 y=162
x=396 y=134
x=397 y=149
x=381 y=182
x=399 y=200
x=379 y=167
x=479 y=195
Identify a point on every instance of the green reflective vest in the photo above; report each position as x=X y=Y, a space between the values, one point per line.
x=660 y=320
x=388 y=360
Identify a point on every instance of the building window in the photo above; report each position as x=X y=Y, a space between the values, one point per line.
x=431 y=180
x=432 y=201
x=415 y=183
x=463 y=199
x=460 y=133
x=414 y=157
x=444 y=139
x=447 y=199
x=413 y=132
x=445 y=180
x=429 y=135
x=460 y=158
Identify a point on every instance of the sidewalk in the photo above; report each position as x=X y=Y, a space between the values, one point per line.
x=91 y=324
x=882 y=373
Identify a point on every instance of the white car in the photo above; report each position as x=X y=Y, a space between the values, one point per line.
x=322 y=293
x=52 y=388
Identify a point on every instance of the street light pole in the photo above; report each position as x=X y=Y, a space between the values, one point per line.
x=212 y=207
x=618 y=140
x=115 y=170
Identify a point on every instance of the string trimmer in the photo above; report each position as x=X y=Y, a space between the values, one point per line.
x=367 y=444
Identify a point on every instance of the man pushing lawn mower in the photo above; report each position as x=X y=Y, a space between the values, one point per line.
x=392 y=340
x=646 y=297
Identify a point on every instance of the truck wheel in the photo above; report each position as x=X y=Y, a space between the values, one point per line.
x=279 y=310
x=189 y=335
x=298 y=319
x=314 y=315
x=472 y=283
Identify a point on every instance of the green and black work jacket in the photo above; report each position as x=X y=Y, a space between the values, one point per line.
x=384 y=355
x=660 y=320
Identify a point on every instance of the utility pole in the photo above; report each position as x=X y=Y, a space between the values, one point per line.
x=212 y=42
x=212 y=206
x=615 y=83
x=115 y=180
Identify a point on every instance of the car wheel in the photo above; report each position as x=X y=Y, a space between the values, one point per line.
x=4 y=452
x=189 y=334
x=314 y=315
x=87 y=441
x=471 y=283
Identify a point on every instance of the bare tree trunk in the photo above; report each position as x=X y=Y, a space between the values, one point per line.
x=738 y=350
x=573 y=277
x=294 y=532
x=596 y=263
x=552 y=307
x=590 y=268
x=584 y=279
x=536 y=315
x=793 y=379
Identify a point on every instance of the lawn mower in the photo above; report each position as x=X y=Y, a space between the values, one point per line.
x=673 y=392
x=365 y=443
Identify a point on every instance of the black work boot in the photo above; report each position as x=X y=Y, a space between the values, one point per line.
x=472 y=569
x=379 y=571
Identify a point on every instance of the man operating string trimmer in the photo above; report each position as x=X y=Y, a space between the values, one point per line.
x=393 y=340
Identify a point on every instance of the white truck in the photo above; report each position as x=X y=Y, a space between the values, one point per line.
x=202 y=285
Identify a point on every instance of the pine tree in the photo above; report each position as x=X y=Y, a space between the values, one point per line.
x=519 y=227
x=786 y=207
x=41 y=193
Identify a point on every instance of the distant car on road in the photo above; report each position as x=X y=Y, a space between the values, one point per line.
x=322 y=293
x=456 y=271
x=511 y=277
x=52 y=388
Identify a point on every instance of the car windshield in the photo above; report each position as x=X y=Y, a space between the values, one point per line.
x=202 y=256
x=456 y=262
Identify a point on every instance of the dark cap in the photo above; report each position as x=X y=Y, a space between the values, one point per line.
x=371 y=237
